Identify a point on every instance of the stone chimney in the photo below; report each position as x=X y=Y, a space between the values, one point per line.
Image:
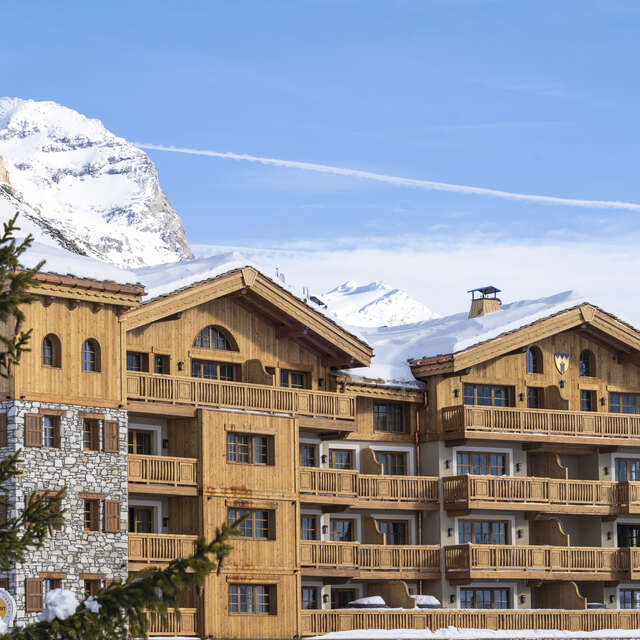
x=4 y=174
x=483 y=300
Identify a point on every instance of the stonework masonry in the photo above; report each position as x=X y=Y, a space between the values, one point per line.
x=71 y=551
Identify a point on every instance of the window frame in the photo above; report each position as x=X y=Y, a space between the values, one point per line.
x=215 y=337
x=91 y=356
x=315 y=599
x=262 y=520
x=538 y=392
x=133 y=510
x=349 y=452
x=477 y=522
x=93 y=433
x=92 y=515
x=55 y=352
x=286 y=381
x=629 y=590
x=142 y=432
x=587 y=364
x=264 y=460
x=235 y=598
x=460 y=466
x=395 y=455
x=534 y=362
x=315 y=529
x=143 y=361
x=390 y=522
x=387 y=420
x=593 y=400
x=198 y=366
x=352 y=524
x=312 y=447
x=493 y=591
x=470 y=391
x=51 y=433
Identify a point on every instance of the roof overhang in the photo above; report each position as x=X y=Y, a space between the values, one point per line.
x=290 y=316
x=599 y=325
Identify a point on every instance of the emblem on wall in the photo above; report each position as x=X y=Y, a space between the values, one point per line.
x=7 y=607
x=562 y=362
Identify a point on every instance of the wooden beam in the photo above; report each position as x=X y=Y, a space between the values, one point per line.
x=159 y=408
x=297 y=331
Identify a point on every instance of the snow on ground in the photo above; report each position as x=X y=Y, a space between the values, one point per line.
x=369 y=601
x=456 y=633
x=374 y=305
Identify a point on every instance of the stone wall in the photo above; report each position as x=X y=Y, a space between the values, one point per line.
x=71 y=550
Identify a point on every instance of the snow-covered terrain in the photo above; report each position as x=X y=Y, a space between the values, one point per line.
x=374 y=305
x=83 y=188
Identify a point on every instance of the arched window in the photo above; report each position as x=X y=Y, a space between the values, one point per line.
x=587 y=364
x=51 y=351
x=214 y=338
x=534 y=360
x=90 y=355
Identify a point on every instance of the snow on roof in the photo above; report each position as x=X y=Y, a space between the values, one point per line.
x=395 y=346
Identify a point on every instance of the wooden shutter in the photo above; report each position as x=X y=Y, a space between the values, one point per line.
x=271 y=450
x=271 y=524
x=111 y=432
x=4 y=439
x=3 y=511
x=33 y=430
x=34 y=594
x=273 y=599
x=112 y=516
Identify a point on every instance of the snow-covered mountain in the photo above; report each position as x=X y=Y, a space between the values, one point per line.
x=83 y=188
x=374 y=305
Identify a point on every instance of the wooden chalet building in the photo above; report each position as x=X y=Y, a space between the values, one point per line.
x=498 y=471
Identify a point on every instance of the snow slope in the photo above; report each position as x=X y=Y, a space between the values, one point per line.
x=85 y=188
x=374 y=305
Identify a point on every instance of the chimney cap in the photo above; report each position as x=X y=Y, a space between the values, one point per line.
x=485 y=292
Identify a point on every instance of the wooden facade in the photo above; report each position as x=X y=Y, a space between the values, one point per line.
x=239 y=402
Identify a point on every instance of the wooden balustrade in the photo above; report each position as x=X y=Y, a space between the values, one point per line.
x=184 y=624
x=239 y=395
x=365 y=490
x=154 y=548
x=319 y=622
x=462 y=493
x=163 y=470
x=464 y=421
x=469 y=561
x=370 y=557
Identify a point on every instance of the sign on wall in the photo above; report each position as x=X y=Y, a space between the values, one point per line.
x=7 y=607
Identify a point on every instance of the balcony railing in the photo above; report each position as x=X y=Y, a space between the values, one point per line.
x=462 y=493
x=163 y=470
x=186 y=624
x=364 y=488
x=314 y=623
x=468 y=561
x=154 y=548
x=239 y=395
x=463 y=421
x=370 y=557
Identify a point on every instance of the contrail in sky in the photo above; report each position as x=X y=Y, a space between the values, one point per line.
x=428 y=185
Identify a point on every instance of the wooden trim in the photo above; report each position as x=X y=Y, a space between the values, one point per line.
x=138 y=407
x=53 y=576
x=91 y=416
x=91 y=496
x=4 y=434
x=87 y=283
x=93 y=576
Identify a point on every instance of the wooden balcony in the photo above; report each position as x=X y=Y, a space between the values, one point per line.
x=536 y=562
x=181 y=390
x=356 y=560
x=506 y=493
x=163 y=475
x=314 y=623
x=365 y=491
x=540 y=425
x=186 y=624
x=158 y=548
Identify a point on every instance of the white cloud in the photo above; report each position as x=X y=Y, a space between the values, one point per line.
x=428 y=185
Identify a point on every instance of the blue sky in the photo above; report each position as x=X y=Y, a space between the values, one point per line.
x=532 y=96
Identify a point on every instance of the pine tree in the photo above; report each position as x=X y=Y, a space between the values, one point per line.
x=122 y=609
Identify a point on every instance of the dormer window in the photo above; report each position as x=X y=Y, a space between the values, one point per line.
x=214 y=338
x=534 y=360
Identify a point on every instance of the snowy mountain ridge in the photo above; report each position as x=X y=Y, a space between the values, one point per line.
x=81 y=187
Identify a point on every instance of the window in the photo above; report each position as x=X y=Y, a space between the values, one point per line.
x=309 y=527
x=259 y=523
x=587 y=400
x=137 y=361
x=534 y=360
x=624 y=403
x=340 y=598
x=161 y=364
x=393 y=464
x=342 y=530
x=212 y=370
x=630 y=598
x=627 y=470
x=483 y=532
x=308 y=455
x=310 y=597
x=341 y=458
x=91 y=514
x=484 y=598
x=50 y=431
x=535 y=397
x=51 y=352
x=488 y=395
x=140 y=442
x=49 y=584
x=214 y=338
x=91 y=586
x=90 y=355
x=245 y=448
x=587 y=364
x=395 y=531
x=388 y=416
x=293 y=379
x=141 y=519
x=252 y=598
x=481 y=464
x=90 y=435
x=628 y=535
